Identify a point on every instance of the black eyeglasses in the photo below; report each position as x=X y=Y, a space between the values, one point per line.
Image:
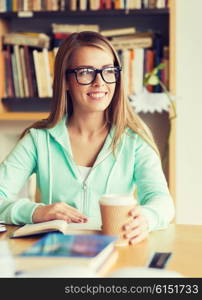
x=87 y=75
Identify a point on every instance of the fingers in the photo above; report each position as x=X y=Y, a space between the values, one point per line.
x=135 y=214
x=138 y=238
x=137 y=228
x=134 y=223
x=70 y=212
x=135 y=231
x=135 y=211
x=58 y=211
x=66 y=217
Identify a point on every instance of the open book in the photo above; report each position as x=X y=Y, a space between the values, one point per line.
x=54 y=225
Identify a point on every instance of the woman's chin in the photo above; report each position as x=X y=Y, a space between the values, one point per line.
x=98 y=106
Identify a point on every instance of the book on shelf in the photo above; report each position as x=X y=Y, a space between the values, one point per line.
x=125 y=65
x=108 y=4
x=152 y=4
x=51 y=5
x=30 y=65
x=133 y=66
x=27 y=5
x=143 y=42
x=54 y=225
x=58 y=37
x=72 y=5
x=62 y=31
x=118 y=4
x=165 y=70
x=28 y=71
x=94 y=4
x=118 y=31
x=24 y=74
x=138 y=4
x=62 y=5
x=133 y=36
x=51 y=61
x=70 y=28
x=149 y=65
x=42 y=69
x=160 y=3
x=40 y=40
x=145 y=3
x=47 y=80
x=15 y=75
x=56 y=249
x=19 y=70
x=133 y=69
x=133 y=4
x=83 y=5
x=102 y=4
x=131 y=72
x=37 y=72
x=138 y=70
x=10 y=90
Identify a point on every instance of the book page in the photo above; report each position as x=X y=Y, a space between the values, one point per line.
x=29 y=229
x=90 y=225
x=52 y=225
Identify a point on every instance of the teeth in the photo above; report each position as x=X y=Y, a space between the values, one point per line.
x=97 y=95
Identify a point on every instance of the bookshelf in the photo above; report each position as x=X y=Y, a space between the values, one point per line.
x=22 y=116
x=158 y=20
x=142 y=19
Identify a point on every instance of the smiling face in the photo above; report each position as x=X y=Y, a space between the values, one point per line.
x=96 y=96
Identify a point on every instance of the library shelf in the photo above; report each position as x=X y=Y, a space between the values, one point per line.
x=23 y=116
x=87 y=13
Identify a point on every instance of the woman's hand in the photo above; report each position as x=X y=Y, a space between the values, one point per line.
x=136 y=230
x=58 y=211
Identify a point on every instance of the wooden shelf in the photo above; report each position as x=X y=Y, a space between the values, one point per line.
x=87 y=13
x=23 y=116
x=26 y=105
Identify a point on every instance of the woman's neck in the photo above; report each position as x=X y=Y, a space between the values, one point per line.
x=88 y=125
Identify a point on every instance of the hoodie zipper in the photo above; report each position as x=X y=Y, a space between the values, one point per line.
x=85 y=186
x=84 y=204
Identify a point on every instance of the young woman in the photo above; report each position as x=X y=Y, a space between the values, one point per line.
x=91 y=144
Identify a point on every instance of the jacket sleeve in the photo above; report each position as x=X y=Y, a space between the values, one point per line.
x=153 y=194
x=14 y=172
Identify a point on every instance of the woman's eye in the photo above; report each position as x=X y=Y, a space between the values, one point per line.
x=109 y=71
x=84 y=72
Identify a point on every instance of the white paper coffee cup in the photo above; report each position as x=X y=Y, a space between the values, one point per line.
x=114 y=210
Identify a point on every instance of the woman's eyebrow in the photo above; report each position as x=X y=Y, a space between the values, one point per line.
x=89 y=66
x=109 y=65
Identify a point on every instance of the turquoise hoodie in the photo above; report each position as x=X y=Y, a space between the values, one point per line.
x=47 y=152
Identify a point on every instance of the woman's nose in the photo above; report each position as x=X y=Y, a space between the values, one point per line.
x=98 y=80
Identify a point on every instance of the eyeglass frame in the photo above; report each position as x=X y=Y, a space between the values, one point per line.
x=97 y=71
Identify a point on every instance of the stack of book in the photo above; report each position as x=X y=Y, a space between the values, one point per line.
x=96 y=252
x=139 y=53
x=28 y=71
x=62 y=31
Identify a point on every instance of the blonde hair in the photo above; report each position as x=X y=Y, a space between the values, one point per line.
x=119 y=113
